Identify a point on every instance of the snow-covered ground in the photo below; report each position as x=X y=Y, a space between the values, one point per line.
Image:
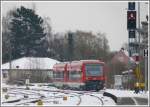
x=52 y=96
x=127 y=93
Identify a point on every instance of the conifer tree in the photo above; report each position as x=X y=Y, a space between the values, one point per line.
x=27 y=34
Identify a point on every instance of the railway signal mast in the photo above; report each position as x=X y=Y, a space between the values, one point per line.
x=133 y=40
x=131 y=27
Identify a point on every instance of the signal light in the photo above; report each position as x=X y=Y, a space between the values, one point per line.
x=137 y=58
x=131 y=33
x=131 y=19
x=131 y=5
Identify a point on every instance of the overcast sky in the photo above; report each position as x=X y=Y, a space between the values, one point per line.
x=105 y=17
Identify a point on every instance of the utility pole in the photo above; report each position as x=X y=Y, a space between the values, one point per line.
x=10 y=56
x=10 y=49
x=146 y=67
x=70 y=46
x=139 y=38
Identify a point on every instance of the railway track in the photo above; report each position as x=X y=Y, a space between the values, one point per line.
x=90 y=93
x=99 y=98
x=36 y=95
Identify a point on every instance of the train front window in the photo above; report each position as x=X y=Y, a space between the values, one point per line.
x=93 y=70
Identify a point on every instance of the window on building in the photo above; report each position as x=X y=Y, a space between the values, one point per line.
x=4 y=75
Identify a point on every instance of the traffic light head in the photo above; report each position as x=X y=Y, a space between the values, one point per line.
x=131 y=33
x=131 y=5
x=137 y=58
x=131 y=19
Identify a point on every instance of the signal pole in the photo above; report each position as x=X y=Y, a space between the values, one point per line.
x=131 y=27
x=146 y=67
x=139 y=38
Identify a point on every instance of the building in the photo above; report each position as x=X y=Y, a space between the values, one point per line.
x=144 y=35
x=122 y=56
x=37 y=69
x=120 y=62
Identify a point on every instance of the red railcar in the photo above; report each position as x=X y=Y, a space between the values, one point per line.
x=83 y=74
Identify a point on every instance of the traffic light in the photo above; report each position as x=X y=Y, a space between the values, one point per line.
x=131 y=19
x=131 y=5
x=131 y=33
x=135 y=45
x=137 y=58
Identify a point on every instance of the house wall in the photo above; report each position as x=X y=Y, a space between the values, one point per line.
x=5 y=76
x=128 y=81
x=35 y=76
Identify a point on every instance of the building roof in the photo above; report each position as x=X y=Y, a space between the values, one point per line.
x=122 y=56
x=31 y=63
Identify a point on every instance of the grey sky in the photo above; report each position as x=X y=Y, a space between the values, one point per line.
x=105 y=17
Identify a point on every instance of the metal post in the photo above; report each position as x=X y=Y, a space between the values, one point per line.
x=10 y=63
x=128 y=87
x=128 y=62
x=146 y=68
x=139 y=37
x=139 y=22
x=146 y=62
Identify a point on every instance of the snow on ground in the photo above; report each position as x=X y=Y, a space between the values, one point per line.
x=53 y=96
x=127 y=93
x=12 y=97
x=40 y=86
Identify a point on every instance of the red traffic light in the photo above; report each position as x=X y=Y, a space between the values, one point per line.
x=137 y=58
x=131 y=15
x=131 y=19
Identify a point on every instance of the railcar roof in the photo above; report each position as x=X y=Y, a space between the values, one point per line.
x=92 y=61
x=78 y=62
x=75 y=64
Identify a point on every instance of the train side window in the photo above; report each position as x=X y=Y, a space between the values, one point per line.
x=74 y=75
x=58 y=75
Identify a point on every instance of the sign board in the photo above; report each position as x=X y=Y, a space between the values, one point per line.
x=27 y=81
x=118 y=80
x=145 y=52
